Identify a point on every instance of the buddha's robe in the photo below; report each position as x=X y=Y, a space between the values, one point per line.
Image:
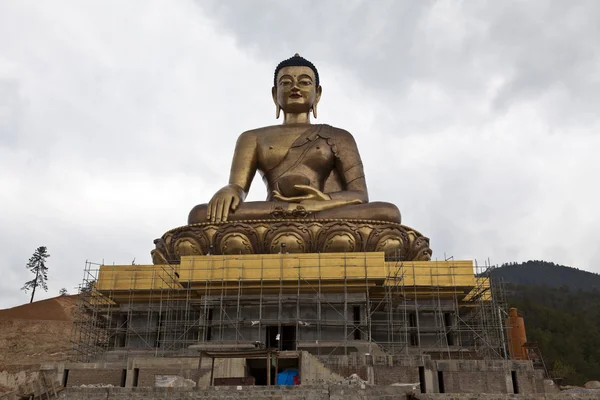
x=322 y=157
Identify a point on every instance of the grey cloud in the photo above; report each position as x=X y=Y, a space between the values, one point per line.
x=535 y=47
x=548 y=45
x=11 y=105
x=376 y=41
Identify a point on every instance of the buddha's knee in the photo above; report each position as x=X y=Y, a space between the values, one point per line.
x=385 y=212
x=198 y=214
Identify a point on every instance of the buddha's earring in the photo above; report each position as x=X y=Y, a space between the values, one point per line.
x=314 y=110
x=277 y=111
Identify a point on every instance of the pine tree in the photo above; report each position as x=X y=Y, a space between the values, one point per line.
x=63 y=292
x=37 y=266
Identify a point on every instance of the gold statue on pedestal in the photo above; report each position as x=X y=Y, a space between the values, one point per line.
x=317 y=199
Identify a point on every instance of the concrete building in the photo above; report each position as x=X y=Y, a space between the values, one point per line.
x=438 y=325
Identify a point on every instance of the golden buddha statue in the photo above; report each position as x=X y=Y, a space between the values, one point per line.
x=313 y=169
x=317 y=199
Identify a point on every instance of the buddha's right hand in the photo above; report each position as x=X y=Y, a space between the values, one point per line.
x=225 y=200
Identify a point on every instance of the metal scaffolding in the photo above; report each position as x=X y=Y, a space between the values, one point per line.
x=398 y=316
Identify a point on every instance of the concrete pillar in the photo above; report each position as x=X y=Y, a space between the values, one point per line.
x=429 y=387
x=370 y=369
x=129 y=376
x=509 y=384
x=60 y=374
x=429 y=375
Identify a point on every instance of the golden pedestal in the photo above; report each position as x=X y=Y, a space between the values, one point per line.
x=292 y=236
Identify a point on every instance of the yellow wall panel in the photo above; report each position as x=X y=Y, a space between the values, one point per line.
x=136 y=277
x=333 y=269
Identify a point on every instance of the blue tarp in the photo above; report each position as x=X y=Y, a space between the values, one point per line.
x=287 y=377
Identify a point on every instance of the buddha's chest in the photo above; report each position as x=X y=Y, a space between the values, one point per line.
x=314 y=153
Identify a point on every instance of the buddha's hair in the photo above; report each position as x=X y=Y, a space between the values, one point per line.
x=295 y=61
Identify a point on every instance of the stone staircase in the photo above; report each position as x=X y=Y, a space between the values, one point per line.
x=314 y=371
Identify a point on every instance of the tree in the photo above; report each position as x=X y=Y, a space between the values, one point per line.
x=63 y=292
x=37 y=266
x=87 y=287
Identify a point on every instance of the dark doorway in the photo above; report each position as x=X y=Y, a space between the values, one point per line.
x=288 y=339
x=271 y=339
x=412 y=323
x=422 y=378
x=209 y=324
x=123 y=377
x=441 y=382
x=356 y=315
x=449 y=327
x=136 y=376
x=515 y=382
x=257 y=368
x=65 y=378
x=281 y=337
x=159 y=324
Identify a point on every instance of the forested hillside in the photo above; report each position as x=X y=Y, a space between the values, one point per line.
x=541 y=273
x=561 y=308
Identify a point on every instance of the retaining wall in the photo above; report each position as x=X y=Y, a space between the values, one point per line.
x=333 y=392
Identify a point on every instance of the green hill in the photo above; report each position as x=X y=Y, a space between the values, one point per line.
x=561 y=308
x=543 y=273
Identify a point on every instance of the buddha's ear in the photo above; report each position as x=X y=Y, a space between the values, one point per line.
x=317 y=98
x=277 y=106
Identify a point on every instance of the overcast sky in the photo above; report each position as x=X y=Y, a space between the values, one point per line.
x=480 y=120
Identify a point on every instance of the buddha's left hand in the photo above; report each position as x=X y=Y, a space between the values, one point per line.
x=316 y=206
x=311 y=193
x=314 y=200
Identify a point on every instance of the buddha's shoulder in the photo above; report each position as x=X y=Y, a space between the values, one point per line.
x=262 y=131
x=339 y=132
x=322 y=129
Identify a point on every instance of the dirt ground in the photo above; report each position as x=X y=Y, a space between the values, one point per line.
x=36 y=333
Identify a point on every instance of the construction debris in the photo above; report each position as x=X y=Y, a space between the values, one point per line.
x=412 y=386
x=97 y=385
x=352 y=380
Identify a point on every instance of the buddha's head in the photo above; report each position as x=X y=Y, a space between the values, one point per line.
x=296 y=87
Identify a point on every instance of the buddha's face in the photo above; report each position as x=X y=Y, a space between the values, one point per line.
x=296 y=90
